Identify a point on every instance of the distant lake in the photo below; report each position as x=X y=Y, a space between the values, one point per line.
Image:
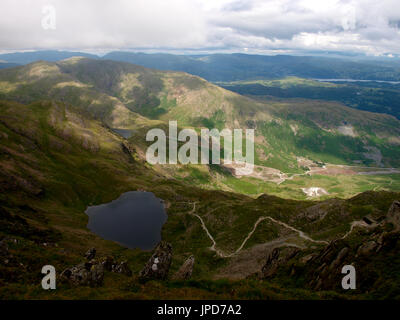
x=355 y=80
x=134 y=220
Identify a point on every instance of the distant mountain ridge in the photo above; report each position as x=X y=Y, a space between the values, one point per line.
x=48 y=55
x=236 y=66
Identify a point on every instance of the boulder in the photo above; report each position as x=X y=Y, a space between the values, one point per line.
x=84 y=274
x=185 y=271
x=96 y=275
x=122 y=268
x=157 y=267
x=90 y=254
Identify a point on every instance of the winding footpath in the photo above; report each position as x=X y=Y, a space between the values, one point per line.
x=301 y=233
x=225 y=255
x=354 y=224
x=214 y=244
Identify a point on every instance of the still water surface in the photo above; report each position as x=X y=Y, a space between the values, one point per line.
x=134 y=220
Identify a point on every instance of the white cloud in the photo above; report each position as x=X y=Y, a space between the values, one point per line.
x=366 y=26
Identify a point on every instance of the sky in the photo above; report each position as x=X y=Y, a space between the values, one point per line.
x=368 y=27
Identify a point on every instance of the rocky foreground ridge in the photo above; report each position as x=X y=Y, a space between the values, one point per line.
x=370 y=251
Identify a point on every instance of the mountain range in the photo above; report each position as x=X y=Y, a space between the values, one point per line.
x=233 y=67
x=366 y=84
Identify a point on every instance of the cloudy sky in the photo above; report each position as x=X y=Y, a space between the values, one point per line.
x=369 y=27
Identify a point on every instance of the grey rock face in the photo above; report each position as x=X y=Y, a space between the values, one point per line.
x=393 y=215
x=157 y=267
x=185 y=271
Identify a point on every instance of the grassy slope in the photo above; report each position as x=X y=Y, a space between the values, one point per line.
x=63 y=162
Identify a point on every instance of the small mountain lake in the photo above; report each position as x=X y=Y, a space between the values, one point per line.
x=134 y=220
x=126 y=133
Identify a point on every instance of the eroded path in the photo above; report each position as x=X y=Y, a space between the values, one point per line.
x=360 y=224
x=225 y=255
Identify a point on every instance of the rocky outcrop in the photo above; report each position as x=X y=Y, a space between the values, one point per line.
x=367 y=252
x=271 y=263
x=122 y=268
x=111 y=265
x=157 y=267
x=324 y=269
x=275 y=259
x=90 y=254
x=85 y=274
x=185 y=271
x=91 y=272
x=393 y=215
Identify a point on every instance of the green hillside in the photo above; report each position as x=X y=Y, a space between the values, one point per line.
x=292 y=137
x=56 y=161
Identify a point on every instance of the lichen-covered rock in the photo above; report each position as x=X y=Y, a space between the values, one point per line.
x=157 y=267
x=122 y=268
x=90 y=254
x=393 y=215
x=96 y=275
x=84 y=274
x=185 y=271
